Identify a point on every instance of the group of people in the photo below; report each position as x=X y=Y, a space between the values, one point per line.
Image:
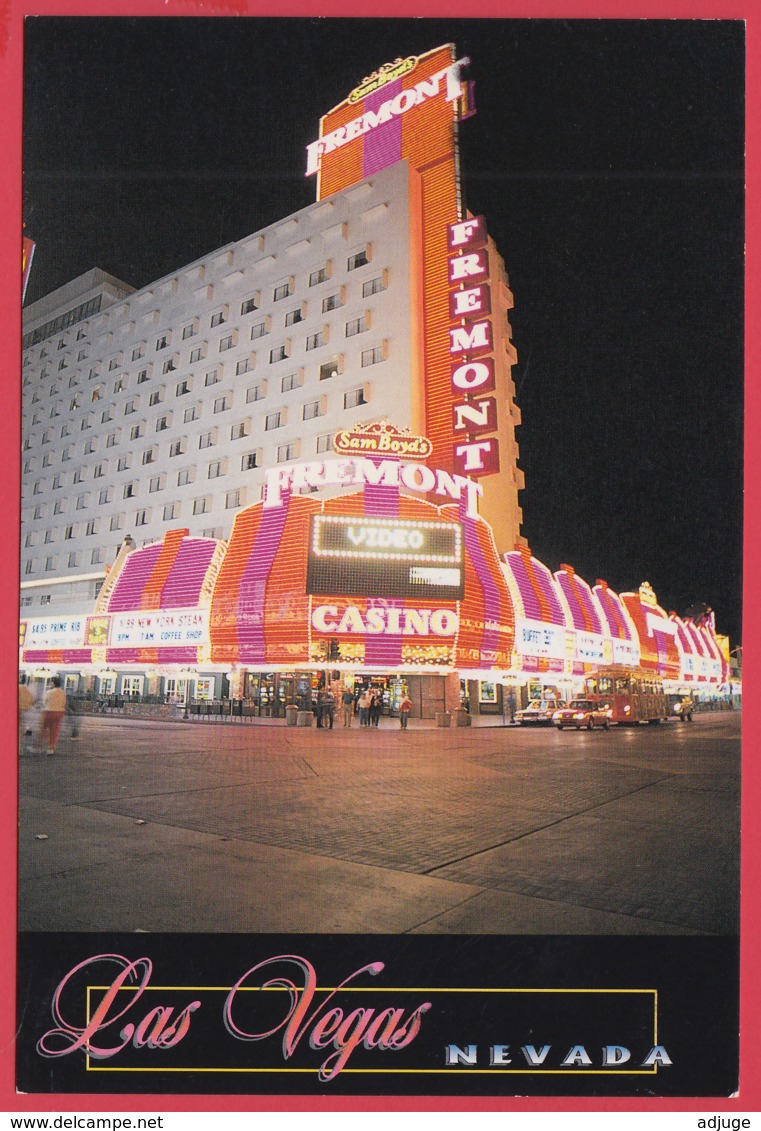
x=54 y=708
x=367 y=703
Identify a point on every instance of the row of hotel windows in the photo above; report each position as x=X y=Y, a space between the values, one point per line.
x=316 y=340
x=328 y=369
x=249 y=461
x=312 y=410
x=250 y=304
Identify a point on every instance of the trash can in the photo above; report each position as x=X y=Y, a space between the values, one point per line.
x=304 y=718
x=291 y=716
x=462 y=719
x=443 y=719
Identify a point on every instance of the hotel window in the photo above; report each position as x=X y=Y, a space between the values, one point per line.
x=280 y=353
x=45 y=437
x=49 y=564
x=332 y=302
x=92 y=527
x=312 y=410
x=249 y=304
x=142 y=518
x=65 y=431
x=282 y=290
x=87 y=422
x=79 y=475
x=118 y=386
x=207 y=439
x=177 y=448
x=82 y=502
x=286 y=452
x=182 y=388
x=240 y=430
x=314 y=341
x=256 y=392
x=62 y=364
x=289 y=382
x=222 y=404
x=187 y=475
x=72 y=381
x=373 y=356
x=46 y=460
x=374 y=286
x=105 y=496
x=113 y=364
x=171 y=511
x=216 y=469
x=81 y=355
x=100 y=470
x=330 y=369
x=192 y=413
x=143 y=376
x=49 y=537
x=138 y=352
x=294 y=316
x=156 y=397
x=357 y=325
x=227 y=342
x=353 y=398
x=157 y=483
x=212 y=377
x=124 y=462
x=319 y=276
x=259 y=330
x=249 y=461
x=190 y=330
x=163 y=341
x=68 y=533
x=29 y=567
x=244 y=365
x=38 y=511
x=163 y=423
x=137 y=431
x=130 y=490
x=358 y=259
x=29 y=540
x=274 y=420
x=169 y=365
x=107 y=415
x=117 y=521
x=130 y=406
x=218 y=317
x=74 y=559
x=198 y=354
x=233 y=498
x=201 y=506
x=149 y=456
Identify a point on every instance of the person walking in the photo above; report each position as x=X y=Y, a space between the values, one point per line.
x=404 y=711
x=347 y=703
x=26 y=701
x=53 y=711
x=375 y=708
x=364 y=708
x=328 y=710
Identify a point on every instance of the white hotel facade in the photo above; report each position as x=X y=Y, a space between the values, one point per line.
x=152 y=409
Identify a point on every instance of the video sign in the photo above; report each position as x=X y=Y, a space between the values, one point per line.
x=385 y=557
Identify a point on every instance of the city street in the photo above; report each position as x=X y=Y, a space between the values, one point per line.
x=153 y=826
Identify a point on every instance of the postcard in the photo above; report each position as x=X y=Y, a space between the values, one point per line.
x=380 y=625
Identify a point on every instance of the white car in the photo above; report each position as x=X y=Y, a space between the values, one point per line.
x=539 y=711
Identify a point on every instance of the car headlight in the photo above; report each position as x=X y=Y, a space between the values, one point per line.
x=627 y=709
x=579 y=715
x=557 y=715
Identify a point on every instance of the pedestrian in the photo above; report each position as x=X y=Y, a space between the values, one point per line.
x=347 y=703
x=364 y=708
x=26 y=701
x=375 y=708
x=318 y=708
x=53 y=711
x=328 y=710
x=404 y=711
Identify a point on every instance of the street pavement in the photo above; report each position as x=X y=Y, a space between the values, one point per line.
x=247 y=827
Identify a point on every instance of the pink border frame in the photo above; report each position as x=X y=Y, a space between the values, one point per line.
x=12 y=13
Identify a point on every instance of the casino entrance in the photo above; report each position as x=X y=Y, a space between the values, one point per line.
x=267 y=694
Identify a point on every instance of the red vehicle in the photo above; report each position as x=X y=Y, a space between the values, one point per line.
x=631 y=694
x=586 y=713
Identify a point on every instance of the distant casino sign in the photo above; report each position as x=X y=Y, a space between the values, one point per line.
x=382 y=438
x=378 y=557
x=387 y=73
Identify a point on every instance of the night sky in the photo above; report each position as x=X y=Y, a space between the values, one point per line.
x=607 y=157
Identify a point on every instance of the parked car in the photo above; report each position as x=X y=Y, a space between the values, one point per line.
x=539 y=711
x=583 y=713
